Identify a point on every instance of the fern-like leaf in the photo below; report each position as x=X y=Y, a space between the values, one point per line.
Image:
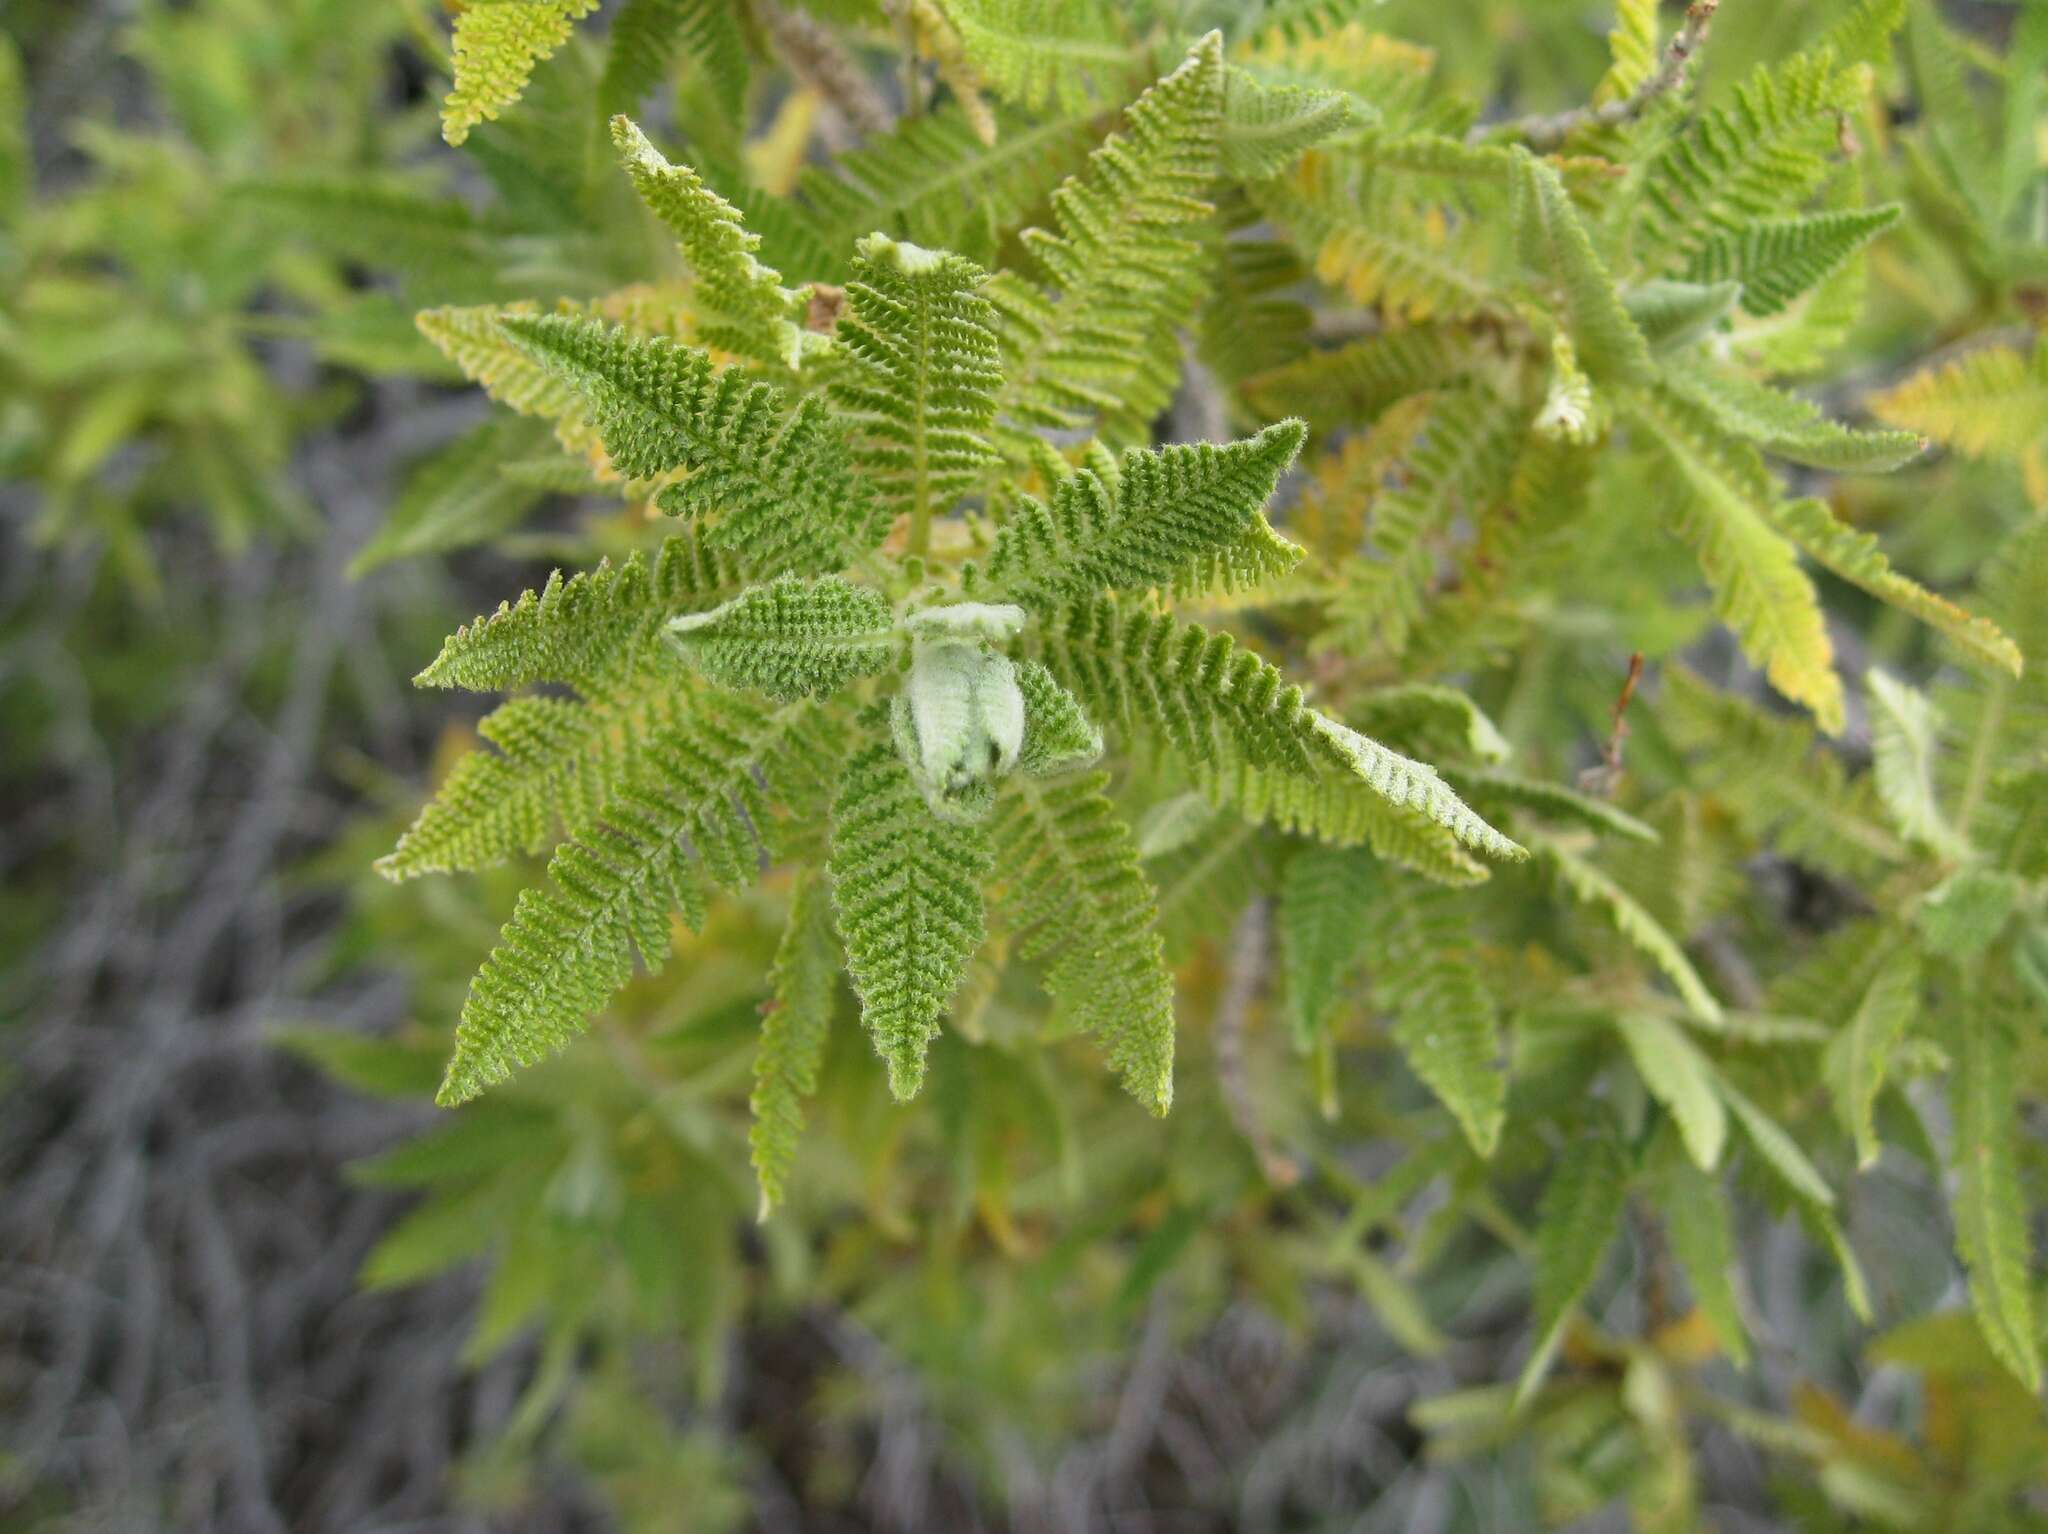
x=1765 y=150
x=497 y=44
x=1768 y=773
x=780 y=486
x=1779 y=260
x=1856 y=558
x=1554 y=241
x=1164 y=519
x=792 y=638
x=1990 y=1209
x=1266 y=128
x=1045 y=53
x=1859 y=1057
x=648 y=36
x=934 y=179
x=1326 y=900
x=1072 y=888
x=687 y=821
x=1695 y=1208
x=1425 y=970
x=1576 y=1220
x=594 y=630
x=1678 y=1076
x=1375 y=252
x=907 y=888
x=804 y=990
x=1992 y=403
x=556 y=761
x=1905 y=733
x=1460 y=465
x=920 y=394
x=1760 y=592
x=1592 y=886
x=1353 y=384
x=1121 y=258
x=1058 y=735
x=1789 y=427
x=740 y=305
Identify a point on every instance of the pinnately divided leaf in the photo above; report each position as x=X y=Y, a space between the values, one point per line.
x=497 y=44
x=1555 y=241
x=1725 y=499
x=1120 y=260
x=1680 y=1077
x=1779 y=260
x=776 y=483
x=1576 y=1222
x=920 y=393
x=593 y=631
x=1326 y=900
x=1990 y=1210
x=1859 y=1058
x=1992 y=403
x=791 y=638
x=794 y=1022
x=908 y=891
x=1169 y=514
x=690 y=820
x=1071 y=885
x=1424 y=968
x=740 y=305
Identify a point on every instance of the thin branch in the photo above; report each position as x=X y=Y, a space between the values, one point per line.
x=1544 y=132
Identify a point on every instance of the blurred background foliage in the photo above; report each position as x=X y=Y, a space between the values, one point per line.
x=1018 y=1304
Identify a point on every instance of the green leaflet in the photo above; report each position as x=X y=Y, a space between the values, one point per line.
x=556 y=761
x=1326 y=899
x=1058 y=736
x=804 y=991
x=648 y=36
x=792 y=638
x=932 y=179
x=1168 y=514
x=1780 y=1152
x=1695 y=1209
x=1764 y=151
x=1859 y=1057
x=686 y=821
x=1554 y=241
x=1990 y=1213
x=1072 y=888
x=595 y=630
x=1672 y=315
x=1424 y=966
x=1785 y=791
x=1759 y=590
x=1045 y=53
x=1856 y=558
x=1788 y=427
x=779 y=485
x=1992 y=403
x=1576 y=1220
x=908 y=891
x=920 y=394
x=497 y=44
x=739 y=304
x=1461 y=465
x=1905 y=740
x=1779 y=260
x=1591 y=885
x=1267 y=127
x=1122 y=258
x=1680 y=1078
